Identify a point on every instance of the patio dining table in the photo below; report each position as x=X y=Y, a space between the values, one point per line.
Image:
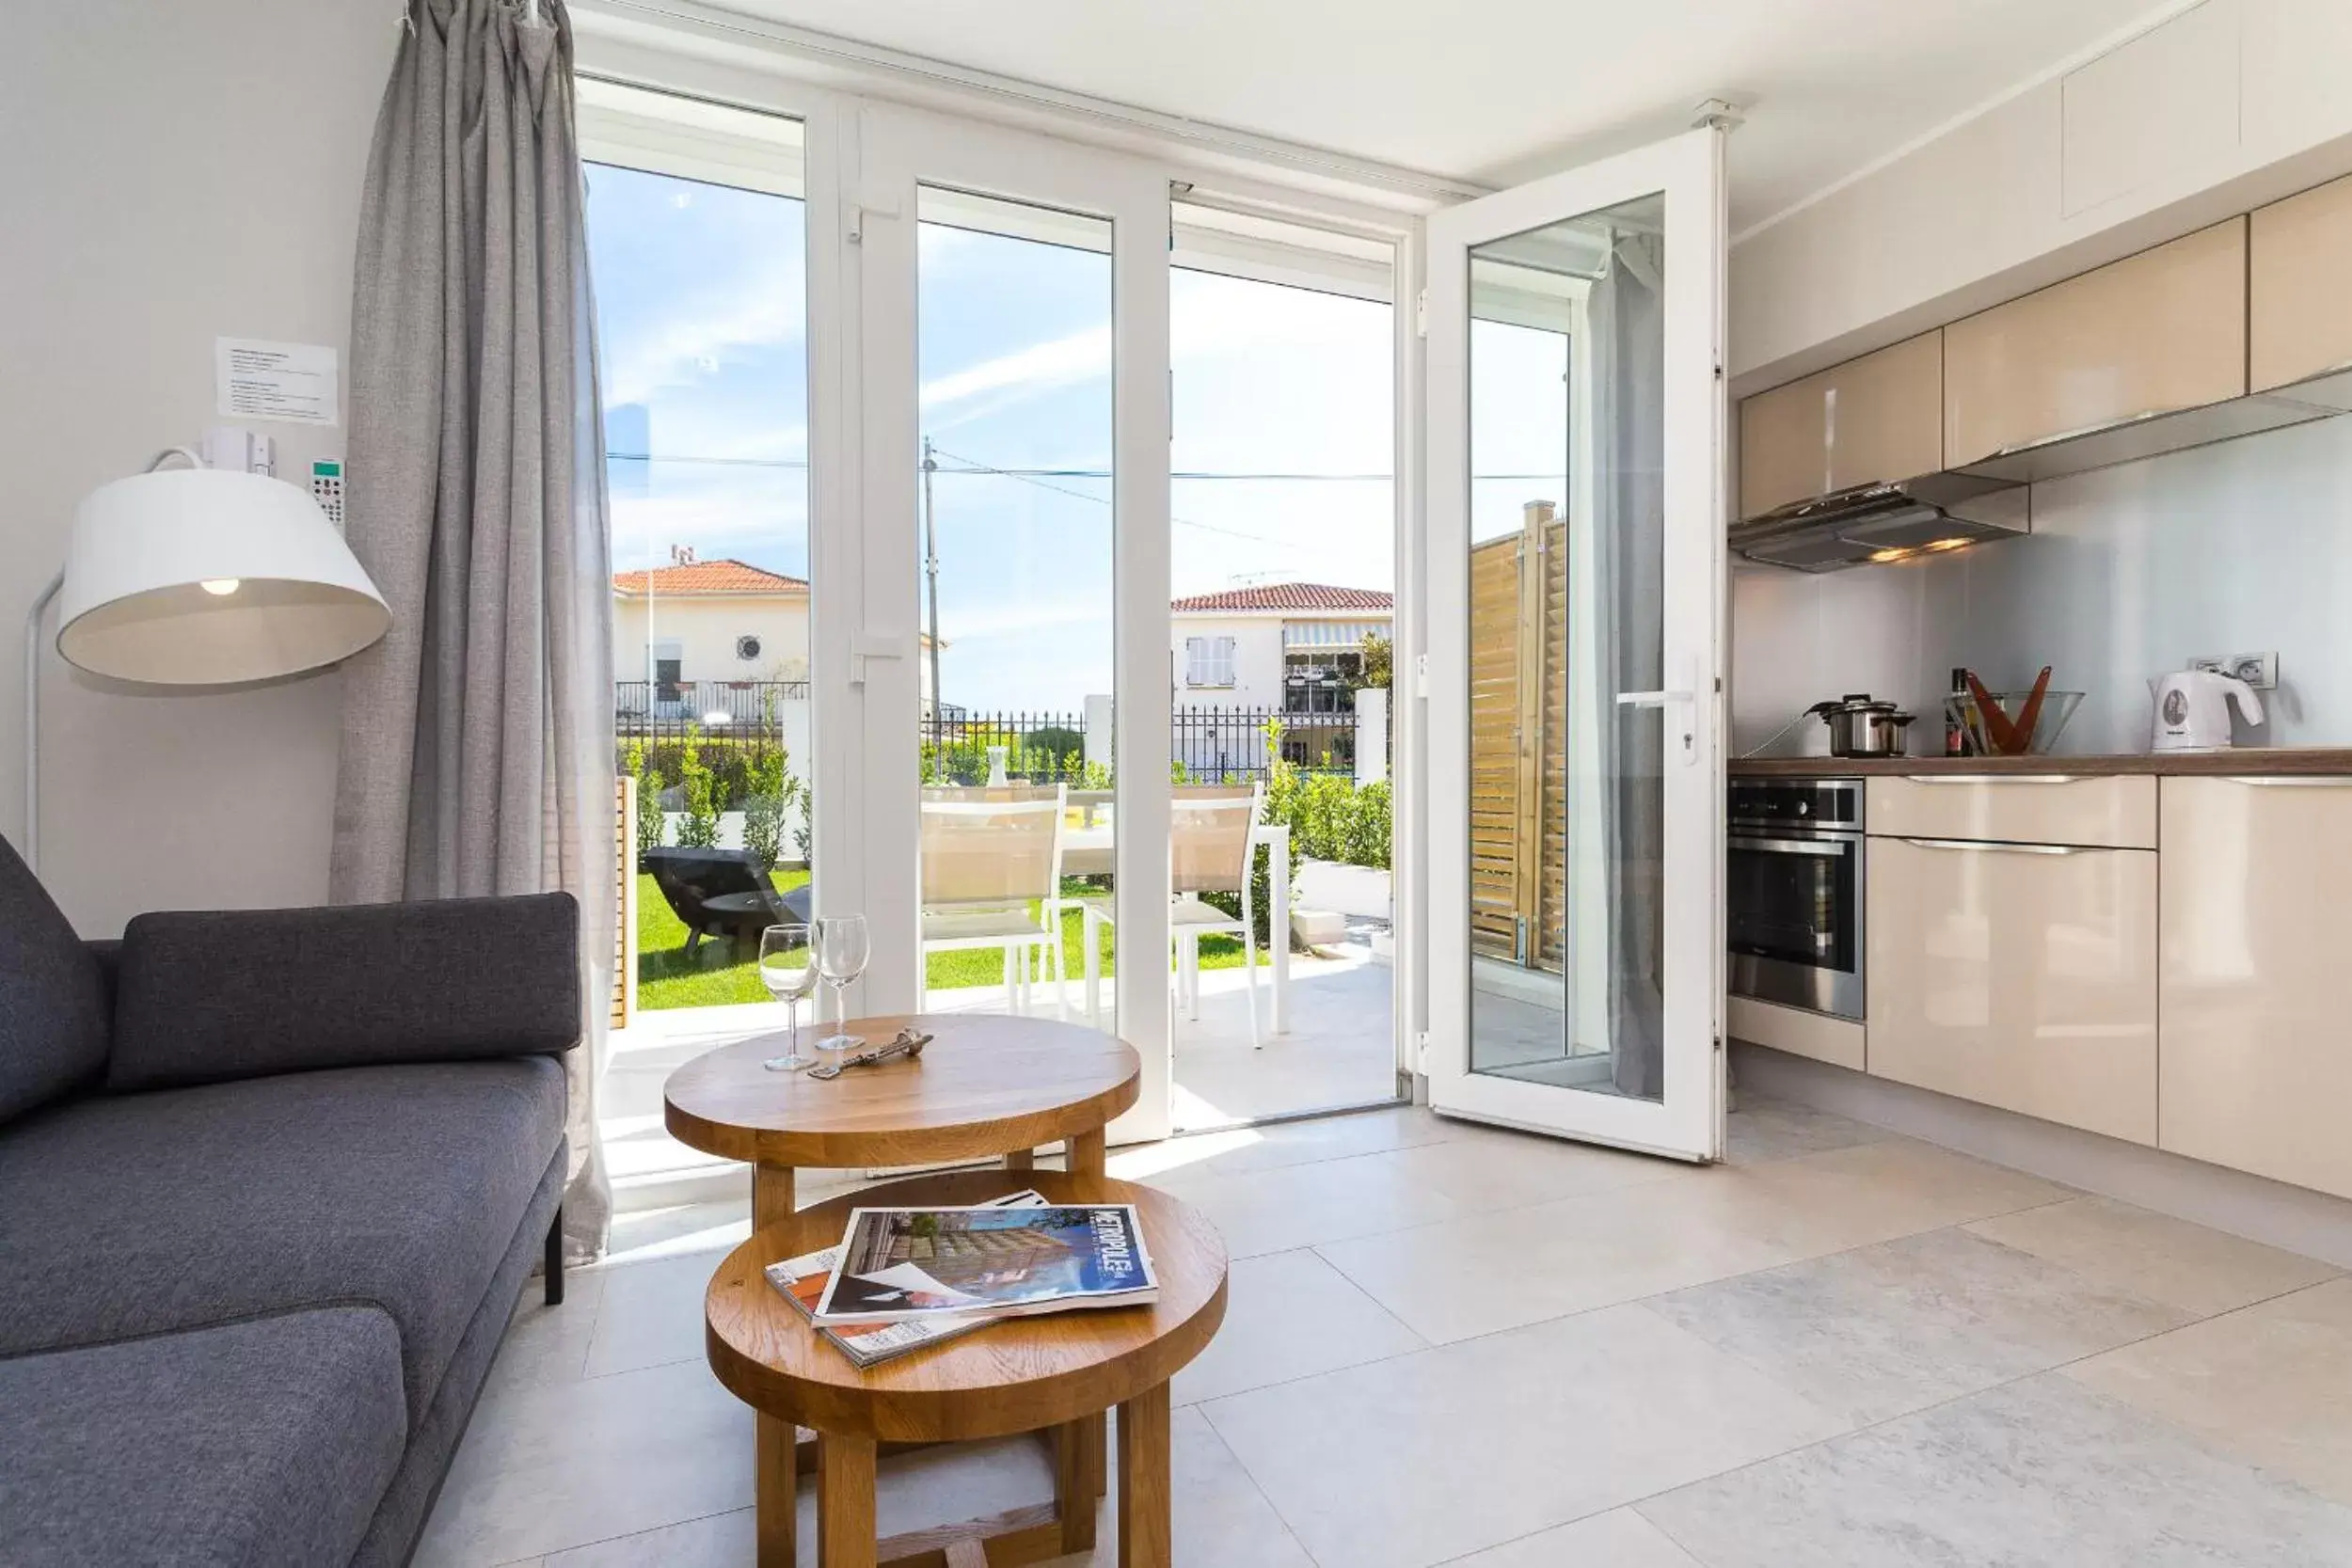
x=1090 y=849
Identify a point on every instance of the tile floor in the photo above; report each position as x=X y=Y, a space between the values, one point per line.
x=1453 y=1345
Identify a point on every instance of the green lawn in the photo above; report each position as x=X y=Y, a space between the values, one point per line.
x=721 y=971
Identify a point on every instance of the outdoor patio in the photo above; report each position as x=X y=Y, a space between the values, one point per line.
x=1339 y=1051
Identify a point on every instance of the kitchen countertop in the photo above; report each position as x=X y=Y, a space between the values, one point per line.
x=2311 y=759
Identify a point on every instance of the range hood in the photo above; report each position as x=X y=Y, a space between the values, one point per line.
x=1873 y=524
x=1884 y=522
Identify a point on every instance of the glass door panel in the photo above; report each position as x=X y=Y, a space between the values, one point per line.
x=1576 y=538
x=1017 y=850
x=1008 y=639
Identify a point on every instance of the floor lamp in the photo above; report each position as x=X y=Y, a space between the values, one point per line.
x=196 y=576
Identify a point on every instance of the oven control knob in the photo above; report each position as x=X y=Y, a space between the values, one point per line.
x=1804 y=808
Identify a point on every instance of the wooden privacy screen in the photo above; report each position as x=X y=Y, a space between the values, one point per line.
x=1519 y=773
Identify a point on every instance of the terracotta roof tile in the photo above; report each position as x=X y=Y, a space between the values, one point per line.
x=1290 y=595
x=708 y=576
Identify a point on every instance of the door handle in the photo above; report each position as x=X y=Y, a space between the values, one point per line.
x=865 y=645
x=1685 y=697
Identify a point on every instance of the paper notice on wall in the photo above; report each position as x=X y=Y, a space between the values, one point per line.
x=292 y=383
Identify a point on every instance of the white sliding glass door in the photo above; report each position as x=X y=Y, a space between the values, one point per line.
x=1575 y=567
x=1002 y=625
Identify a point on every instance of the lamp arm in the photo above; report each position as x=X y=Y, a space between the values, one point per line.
x=32 y=720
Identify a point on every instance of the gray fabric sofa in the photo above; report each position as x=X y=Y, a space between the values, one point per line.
x=271 y=1183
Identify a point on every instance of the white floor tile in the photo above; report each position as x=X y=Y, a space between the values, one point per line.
x=1618 y=1539
x=1290 y=1315
x=1412 y=1461
x=2188 y=1266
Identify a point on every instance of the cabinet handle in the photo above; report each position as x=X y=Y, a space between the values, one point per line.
x=1990 y=778
x=2281 y=780
x=1999 y=848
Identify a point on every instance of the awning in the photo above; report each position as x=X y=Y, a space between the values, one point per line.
x=1330 y=634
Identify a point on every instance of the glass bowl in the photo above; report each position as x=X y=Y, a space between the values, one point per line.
x=2057 y=709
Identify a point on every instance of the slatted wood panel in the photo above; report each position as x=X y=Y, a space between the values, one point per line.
x=1518 y=755
x=624 y=901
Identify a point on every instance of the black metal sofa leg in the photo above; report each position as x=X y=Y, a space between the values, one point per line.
x=554 y=1264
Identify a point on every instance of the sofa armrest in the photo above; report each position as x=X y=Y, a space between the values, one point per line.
x=202 y=997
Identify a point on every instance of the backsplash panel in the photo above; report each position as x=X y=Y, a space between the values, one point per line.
x=2245 y=547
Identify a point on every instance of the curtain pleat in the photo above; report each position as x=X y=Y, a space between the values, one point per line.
x=477 y=746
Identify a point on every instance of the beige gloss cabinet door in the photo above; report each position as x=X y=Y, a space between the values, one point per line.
x=2298 y=304
x=2257 y=1013
x=2119 y=811
x=1877 y=418
x=2018 y=976
x=2159 y=331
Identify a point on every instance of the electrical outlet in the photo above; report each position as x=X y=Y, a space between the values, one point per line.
x=2258 y=671
x=2214 y=662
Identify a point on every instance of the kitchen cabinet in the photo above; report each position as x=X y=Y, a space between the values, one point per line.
x=2119 y=813
x=2022 y=976
x=2152 y=333
x=1838 y=1042
x=2257 y=1047
x=1877 y=418
x=2299 y=311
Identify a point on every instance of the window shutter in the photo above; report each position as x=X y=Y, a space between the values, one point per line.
x=1224 y=662
x=1196 y=661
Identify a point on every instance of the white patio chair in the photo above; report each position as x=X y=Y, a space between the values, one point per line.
x=1209 y=850
x=986 y=855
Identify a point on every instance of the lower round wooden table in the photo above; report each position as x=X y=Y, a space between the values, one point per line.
x=986 y=1085
x=1056 y=1373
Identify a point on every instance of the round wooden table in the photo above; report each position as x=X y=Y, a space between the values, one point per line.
x=1056 y=1373
x=985 y=1085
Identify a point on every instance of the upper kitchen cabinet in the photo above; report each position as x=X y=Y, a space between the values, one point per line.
x=2300 y=312
x=2152 y=334
x=2256 y=1050
x=1870 y=420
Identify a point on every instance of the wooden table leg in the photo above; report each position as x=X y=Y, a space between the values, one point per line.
x=1021 y=1159
x=776 y=1492
x=1074 y=1490
x=771 y=1194
x=845 y=1502
x=1146 y=1520
x=1088 y=1152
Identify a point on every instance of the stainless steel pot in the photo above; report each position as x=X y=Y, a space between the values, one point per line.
x=1861 y=727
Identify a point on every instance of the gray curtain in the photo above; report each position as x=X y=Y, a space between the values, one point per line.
x=1626 y=314
x=477 y=748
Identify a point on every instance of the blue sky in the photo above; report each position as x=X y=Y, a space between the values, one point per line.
x=701 y=303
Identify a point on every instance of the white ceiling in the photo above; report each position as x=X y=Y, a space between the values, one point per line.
x=1496 y=91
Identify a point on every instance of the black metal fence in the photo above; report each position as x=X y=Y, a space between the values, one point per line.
x=1209 y=745
x=669 y=710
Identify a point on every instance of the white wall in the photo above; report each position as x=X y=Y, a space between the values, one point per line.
x=173 y=172
x=1257 y=660
x=2241 y=547
x=2228 y=105
x=705 y=629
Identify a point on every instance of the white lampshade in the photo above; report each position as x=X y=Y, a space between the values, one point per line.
x=199 y=577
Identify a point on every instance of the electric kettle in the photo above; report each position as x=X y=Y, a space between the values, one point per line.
x=2193 y=710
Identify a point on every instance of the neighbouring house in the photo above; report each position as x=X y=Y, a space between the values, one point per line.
x=698 y=636
x=1291 y=649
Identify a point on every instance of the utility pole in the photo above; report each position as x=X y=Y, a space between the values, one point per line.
x=930 y=573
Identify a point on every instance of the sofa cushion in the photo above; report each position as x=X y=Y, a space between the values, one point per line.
x=203 y=996
x=399 y=1186
x=52 y=1005
x=262 y=1444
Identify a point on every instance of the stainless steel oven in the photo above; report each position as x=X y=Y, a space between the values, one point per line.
x=1793 y=884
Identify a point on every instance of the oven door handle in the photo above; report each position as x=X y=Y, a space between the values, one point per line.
x=1819 y=849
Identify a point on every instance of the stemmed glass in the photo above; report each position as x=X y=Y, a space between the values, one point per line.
x=788 y=967
x=841 y=953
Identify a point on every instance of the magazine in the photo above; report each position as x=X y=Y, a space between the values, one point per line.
x=901 y=1265
x=804 y=1279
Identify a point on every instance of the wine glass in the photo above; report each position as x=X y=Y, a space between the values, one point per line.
x=841 y=953
x=788 y=967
